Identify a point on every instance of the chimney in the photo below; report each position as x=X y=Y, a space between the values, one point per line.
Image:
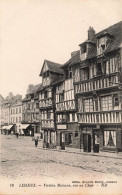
x=73 y=53
x=91 y=32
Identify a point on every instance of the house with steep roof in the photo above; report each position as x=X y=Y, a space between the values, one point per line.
x=50 y=73
x=97 y=80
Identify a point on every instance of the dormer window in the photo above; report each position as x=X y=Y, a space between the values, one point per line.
x=46 y=74
x=103 y=41
x=69 y=73
x=83 y=51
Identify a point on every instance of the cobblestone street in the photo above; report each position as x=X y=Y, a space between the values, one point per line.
x=21 y=159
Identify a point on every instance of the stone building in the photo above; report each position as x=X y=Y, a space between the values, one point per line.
x=30 y=112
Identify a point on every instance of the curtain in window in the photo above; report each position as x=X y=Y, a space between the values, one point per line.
x=110 y=138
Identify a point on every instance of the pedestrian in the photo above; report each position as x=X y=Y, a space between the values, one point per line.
x=36 y=142
x=17 y=135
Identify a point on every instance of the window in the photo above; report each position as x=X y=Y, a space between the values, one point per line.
x=73 y=117
x=99 y=69
x=45 y=94
x=113 y=65
x=92 y=71
x=16 y=110
x=61 y=97
x=109 y=138
x=84 y=74
x=16 y=119
x=116 y=100
x=105 y=67
x=19 y=119
x=68 y=118
x=76 y=134
x=88 y=105
x=48 y=115
x=19 y=109
x=11 y=111
x=46 y=74
x=70 y=72
x=106 y=103
x=13 y=119
x=37 y=105
x=77 y=75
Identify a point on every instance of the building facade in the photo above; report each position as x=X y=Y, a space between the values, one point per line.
x=30 y=113
x=16 y=116
x=50 y=72
x=98 y=90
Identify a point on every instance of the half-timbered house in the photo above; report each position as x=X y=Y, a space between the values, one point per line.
x=97 y=70
x=50 y=72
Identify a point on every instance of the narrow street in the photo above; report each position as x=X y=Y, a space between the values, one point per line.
x=21 y=160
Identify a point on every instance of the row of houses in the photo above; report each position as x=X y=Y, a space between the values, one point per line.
x=79 y=104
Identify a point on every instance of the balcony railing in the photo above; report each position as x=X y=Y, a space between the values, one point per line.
x=47 y=123
x=100 y=117
x=45 y=103
x=64 y=106
x=96 y=83
x=83 y=56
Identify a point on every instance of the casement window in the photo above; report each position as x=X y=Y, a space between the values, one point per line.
x=113 y=65
x=37 y=105
x=76 y=75
x=106 y=103
x=73 y=117
x=88 y=105
x=70 y=73
x=46 y=74
x=68 y=117
x=105 y=67
x=99 y=69
x=19 y=119
x=109 y=138
x=76 y=134
x=84 y=74
x=116 y=100
x=20 y=110
x=61 y=97
x=92 y=71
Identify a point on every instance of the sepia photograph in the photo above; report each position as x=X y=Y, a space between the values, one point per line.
x=61 y=97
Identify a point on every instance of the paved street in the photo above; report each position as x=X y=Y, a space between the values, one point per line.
x=21 y=159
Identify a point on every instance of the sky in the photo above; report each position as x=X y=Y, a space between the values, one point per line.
x=34 y=30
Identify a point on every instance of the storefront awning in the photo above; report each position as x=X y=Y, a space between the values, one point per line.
x=4 y=127
x=9 y=127
x=24 y=126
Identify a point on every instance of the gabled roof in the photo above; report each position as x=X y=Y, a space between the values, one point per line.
x=35 y=89
x=114 y=31
x=73 y=60
x=53 y=67
x=40 y=87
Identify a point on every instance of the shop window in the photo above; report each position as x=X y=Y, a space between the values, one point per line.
x=109 y=138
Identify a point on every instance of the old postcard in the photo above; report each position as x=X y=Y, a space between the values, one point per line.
x=60 y=97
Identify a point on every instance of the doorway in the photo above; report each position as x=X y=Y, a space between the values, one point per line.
x=87 y=142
